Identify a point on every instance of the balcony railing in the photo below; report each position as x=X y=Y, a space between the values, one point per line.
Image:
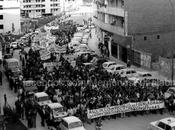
x=113 y=11
x=108 y=27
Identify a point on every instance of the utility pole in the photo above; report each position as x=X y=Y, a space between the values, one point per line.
x=172 y=60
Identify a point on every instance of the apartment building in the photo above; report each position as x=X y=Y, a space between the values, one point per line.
x=136 y=30
x=37 y=8
x=10 y=16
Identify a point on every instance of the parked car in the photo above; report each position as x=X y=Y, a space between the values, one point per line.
x=116 y=69
x=163 y=124
x=128 y=73
x=42 y=99
x=56 y=112
x=12 y=66
x=71 y=123
x=109 y=64
x=141 y=76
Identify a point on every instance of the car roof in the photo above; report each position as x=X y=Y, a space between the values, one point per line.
x=128 y=69
x=40 y=94
x=54 y=105
x=71 y=119
x=169 y=121
x=109 y=62
x=143 y=72
x=118 y=65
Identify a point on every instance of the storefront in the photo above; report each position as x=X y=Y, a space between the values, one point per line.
x=121 y=47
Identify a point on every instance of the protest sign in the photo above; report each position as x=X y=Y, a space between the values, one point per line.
x=29 y=85
x=129 y=107
x=45 y=55
x=50 y=65
x=60 y=49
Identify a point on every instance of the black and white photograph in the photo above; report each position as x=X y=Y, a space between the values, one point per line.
x=87 y=64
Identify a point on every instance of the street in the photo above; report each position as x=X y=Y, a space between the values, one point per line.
x=133 y=123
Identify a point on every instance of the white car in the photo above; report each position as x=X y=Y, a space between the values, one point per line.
x=163 y=124
x=71 y=123
x=169 y=92
x=144 y=74
x=42 y=98
x=57 y=111
x=14 y=45
x=128 y=73
x=141 y=76
x=108 y=65
x=116 y=69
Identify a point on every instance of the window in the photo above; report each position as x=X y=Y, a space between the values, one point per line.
x=145 y=38
x=1 y=26
x=1 y=16
x=64 y=123
x=161 y=125
x=158 y=36
x=168 y=127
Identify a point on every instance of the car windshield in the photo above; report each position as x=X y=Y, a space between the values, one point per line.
x=146 y=75
x=120 y=68
x=44 y=98
x=60 y=109
x=112 y=68
x=75 y=125
x=111 y=64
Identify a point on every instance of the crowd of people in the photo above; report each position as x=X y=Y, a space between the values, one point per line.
x=78 y=88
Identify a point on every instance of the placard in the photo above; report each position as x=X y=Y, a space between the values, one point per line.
x=129 y=107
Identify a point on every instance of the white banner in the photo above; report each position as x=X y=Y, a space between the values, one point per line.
x=60 y=49
x=46 y=55
x=51 y=65
x=129 y=107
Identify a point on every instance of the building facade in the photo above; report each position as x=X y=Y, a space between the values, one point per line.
x=137 y=30
x=37 y=8
x=10 y=16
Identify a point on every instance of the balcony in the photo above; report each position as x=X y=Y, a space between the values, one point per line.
x=117 y=11
x=109 y=27
x=33 y=3
x=33 y=8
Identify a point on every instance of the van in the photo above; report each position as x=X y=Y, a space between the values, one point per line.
x=12 y=65
x=71 y=123
x=42 y=99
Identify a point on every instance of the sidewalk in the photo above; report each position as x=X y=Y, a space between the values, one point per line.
x=93 y=44
x=4 y=89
